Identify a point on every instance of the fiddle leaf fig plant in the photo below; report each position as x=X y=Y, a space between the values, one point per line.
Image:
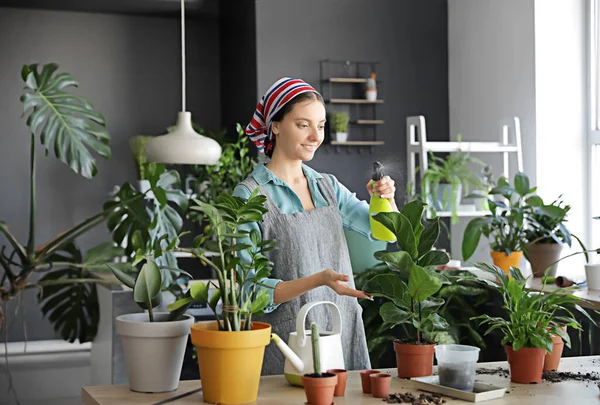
x=70 y=127
x=412 y=302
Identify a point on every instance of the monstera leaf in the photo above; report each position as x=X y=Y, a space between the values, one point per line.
x=65 y=123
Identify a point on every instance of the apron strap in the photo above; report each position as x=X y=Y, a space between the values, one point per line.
x=326 y=186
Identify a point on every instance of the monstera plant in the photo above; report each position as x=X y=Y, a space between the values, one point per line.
x=68 y=126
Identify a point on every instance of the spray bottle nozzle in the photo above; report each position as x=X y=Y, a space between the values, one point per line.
x=377 y=171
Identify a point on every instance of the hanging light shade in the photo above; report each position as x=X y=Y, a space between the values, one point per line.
x=183 y=145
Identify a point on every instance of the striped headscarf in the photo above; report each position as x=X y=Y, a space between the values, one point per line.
x=278 y=95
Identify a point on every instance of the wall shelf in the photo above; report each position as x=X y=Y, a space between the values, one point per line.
x=358 y=143
x=368 y=122
x=353 y=101
x=347 y=80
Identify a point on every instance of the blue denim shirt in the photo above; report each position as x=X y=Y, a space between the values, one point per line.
x=355 y=212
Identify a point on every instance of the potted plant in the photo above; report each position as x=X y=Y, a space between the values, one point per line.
x=444 y=180
x=546 y=235
x=504 y=226
x=480 y=193
x=233 y=342
x=319 y=387
x=153 y=343
x=63 y=274
x=531 y=322
x=411 y=303
x=339 y=125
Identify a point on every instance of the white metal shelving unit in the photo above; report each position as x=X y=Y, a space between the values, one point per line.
x=417 y=144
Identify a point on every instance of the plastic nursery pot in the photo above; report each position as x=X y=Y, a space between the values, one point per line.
x=414 y=360
x=319 y=389
x=340 y=387
x=525 y=364
x=456 y=365
x=504 y=262
x=552 y=360
x=365 y=379
x=380 y=384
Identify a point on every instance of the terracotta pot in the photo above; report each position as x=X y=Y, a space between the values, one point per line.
x=239 y=356
x=340 y=387
x=414 y=360
x=542 y=255
x=552 y=360
x=504 y=262
x=319 y=390
x=380 y=385
x=525 y=364
x=365 y=380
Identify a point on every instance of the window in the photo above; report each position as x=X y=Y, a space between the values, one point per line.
x=593 y=138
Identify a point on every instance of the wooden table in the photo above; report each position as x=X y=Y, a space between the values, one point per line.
x=591 y=298
x=274 y=390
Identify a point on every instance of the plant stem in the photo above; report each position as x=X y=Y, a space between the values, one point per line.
x=150 y=312
x=31 y=241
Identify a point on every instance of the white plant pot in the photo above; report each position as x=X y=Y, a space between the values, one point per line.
x=341 y=136
x=592 y=276
x=153 y=350
x=371 y=95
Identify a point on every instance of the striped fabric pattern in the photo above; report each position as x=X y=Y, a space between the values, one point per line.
x=278 y=95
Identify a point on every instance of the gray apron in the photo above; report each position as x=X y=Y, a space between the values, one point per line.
x=307 y=243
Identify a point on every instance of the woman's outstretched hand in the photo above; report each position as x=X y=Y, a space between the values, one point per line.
x=385 y=188
x=339 y=283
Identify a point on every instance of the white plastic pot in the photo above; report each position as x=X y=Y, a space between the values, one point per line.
x=341 y=136
x=592 y=276
x=153 y=350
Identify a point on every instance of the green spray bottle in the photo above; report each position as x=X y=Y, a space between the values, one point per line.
x=377 y=205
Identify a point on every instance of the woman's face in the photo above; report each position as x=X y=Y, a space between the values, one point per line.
x=300 y=133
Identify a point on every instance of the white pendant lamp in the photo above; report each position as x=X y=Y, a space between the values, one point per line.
x=183 y=145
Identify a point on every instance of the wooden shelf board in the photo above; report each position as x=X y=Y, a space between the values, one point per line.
x=353 y=101
x=347 y=80
x=368 y=122
x=357 y=143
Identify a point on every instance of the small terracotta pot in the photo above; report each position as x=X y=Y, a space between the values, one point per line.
x=365 y=379
x=504 y=262
x=319 y=390
x=414 y=360
x=552 y=360
x=340 y=387
x=526 y=364
x=380 y=385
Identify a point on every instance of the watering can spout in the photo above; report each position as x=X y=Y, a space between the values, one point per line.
x=288 y=353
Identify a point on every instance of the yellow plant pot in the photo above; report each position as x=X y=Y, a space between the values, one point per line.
x=504 y=262
x=230 y=362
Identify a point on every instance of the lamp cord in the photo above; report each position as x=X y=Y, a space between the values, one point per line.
x=182 y=55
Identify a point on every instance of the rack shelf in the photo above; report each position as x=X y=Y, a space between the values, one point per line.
x=358 y=143
x=353 y=101
x=369 y=122
x=347 y=80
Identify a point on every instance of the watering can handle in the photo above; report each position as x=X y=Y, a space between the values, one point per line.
x=301 y=319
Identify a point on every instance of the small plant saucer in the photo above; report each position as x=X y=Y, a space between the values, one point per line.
x=481 y=391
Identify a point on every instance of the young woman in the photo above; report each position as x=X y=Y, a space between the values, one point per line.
x=307 y=214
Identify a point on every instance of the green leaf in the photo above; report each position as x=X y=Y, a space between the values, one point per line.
x=260 y=303
x=255 y=237
x=65 y=123
x=433 y=258
x=434 y=322
x=72 y=308
x=121 y=276
x=180 y=303
x=392 y=315
x=414 y=212
x=400 y=262
x=102 y=253
x=398 y=224
x=472 y=235
x=199 y=291
x=422 y=285
x=148 y=283
x=390 y=287
x=429 y=236
x=214 y=299
x=522 y=184
x=534 y=201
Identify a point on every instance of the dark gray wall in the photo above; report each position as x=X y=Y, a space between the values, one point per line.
x=129 y=67
x=237 y=28
x=409 y=38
